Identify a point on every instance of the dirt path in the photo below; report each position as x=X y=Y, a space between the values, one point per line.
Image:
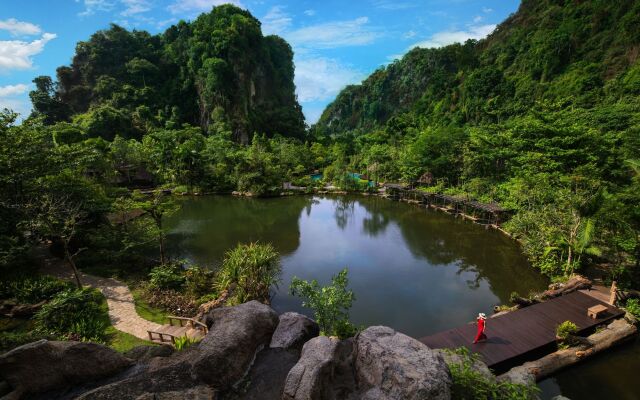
x=122 y=310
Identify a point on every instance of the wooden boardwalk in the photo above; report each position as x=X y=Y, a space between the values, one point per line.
x=524 y=334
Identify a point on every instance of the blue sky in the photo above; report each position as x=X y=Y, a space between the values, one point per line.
x=336 y=42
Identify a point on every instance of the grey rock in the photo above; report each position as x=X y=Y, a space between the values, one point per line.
x=236 y=335
x=201 y=392
x=267 y=376
x=166 y=374
x=146 y=353
x=45 y=365
x=399 y=367
x=293 y=331
x=323 y=371
x=519 y=375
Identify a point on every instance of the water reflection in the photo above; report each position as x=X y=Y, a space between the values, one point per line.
x=206 y=227
x=414 y=270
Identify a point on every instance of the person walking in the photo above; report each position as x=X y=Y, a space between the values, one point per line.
x=480 y=336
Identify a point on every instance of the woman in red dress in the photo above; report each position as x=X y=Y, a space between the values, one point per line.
x=481 y=326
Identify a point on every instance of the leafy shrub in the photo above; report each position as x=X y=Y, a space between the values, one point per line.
x=33 y=289
x=174 y=303
x=565 y=334
x=330 y=304
x=633 y=306
x=167 y=277
x=74 y=314
x=184 y=342
x=471 y=384
x=200 y=282
x=250 y=270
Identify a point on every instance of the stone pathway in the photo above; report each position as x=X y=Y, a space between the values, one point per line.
x=122 y=310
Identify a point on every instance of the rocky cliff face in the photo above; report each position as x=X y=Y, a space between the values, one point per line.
x=249 y=353
x=218 y=72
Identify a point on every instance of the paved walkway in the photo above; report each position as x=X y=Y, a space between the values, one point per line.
x=122 y=310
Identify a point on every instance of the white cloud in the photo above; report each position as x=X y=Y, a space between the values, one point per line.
x=409 y=34
x=320 y=79
x=17 y=54
x=17 y=28
x=133 y=7
x=487 y=10
x=13 y=97
x=92 y=6
x=477 y=19
x=189 y=6
x=276 y=21
x=334 y=34
x=309 y=13
x=12 y=90
x=444 y=38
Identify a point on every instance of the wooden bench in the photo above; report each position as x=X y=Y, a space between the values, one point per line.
x=178 y=327
x=596 y=311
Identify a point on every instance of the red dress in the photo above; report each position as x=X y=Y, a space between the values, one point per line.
x=480 y=335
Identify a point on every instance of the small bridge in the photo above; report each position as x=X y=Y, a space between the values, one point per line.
x=525 y=334
x=176 y=328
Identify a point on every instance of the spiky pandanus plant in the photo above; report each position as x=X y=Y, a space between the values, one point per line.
x=249 y=271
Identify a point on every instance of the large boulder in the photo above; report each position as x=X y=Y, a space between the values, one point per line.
x=236 y=335
x=268 y=373
x=391 y=365
x=159 y=375
x=219 y=361
x=201 y=392
x=45 y=365
x=293 y=331
x=145 y=353
x=323 y=371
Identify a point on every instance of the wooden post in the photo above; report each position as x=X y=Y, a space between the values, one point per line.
x=613 y=293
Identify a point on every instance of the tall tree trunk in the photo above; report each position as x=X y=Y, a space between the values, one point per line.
x=72 y=264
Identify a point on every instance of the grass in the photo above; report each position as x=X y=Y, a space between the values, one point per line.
x=123 y=342
x=118 y=340
x=146 y=311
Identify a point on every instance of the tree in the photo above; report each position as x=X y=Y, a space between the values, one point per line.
x=157 y=206
x=59 y=218
x=330 y=304
x=46 y=102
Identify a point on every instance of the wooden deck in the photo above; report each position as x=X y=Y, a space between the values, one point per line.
x=525 y=334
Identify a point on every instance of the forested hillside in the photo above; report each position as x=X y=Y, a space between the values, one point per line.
x=217 y=70
x=569 y=52
x=542 y=116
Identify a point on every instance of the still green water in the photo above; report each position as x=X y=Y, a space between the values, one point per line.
x=415 y=270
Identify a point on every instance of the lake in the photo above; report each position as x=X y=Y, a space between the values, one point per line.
x=415 y=270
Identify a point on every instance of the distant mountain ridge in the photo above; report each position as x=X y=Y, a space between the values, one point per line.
x=555 y=50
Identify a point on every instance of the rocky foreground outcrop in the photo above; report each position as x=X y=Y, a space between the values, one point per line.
x=45 y=366
x=379 y=363
x=249 y=353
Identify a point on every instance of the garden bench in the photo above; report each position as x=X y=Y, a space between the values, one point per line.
x=596 y=311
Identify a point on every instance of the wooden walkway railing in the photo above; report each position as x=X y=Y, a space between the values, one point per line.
x=178 y=327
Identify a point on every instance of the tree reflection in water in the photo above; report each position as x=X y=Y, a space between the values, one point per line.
x=412 y=269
